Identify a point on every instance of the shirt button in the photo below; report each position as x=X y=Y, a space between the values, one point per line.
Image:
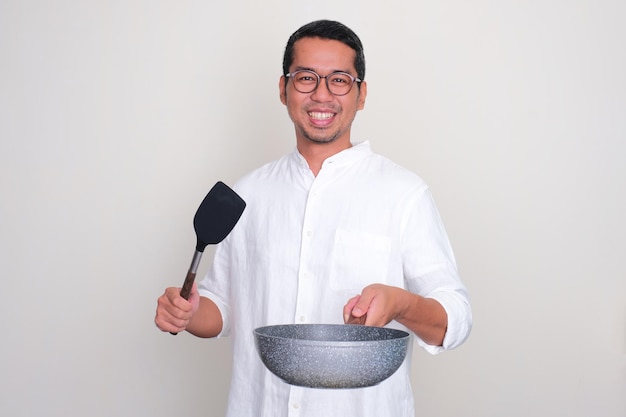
x=296 y=405
x=309 y=233
x=302 y=319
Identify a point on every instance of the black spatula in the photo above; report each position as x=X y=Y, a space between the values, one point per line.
x=215 y=218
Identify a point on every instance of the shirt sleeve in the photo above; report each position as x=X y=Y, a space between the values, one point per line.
x=216 y=285
x=430 y=268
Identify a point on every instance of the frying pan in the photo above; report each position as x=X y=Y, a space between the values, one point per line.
x=331 y=355
x=215 y=218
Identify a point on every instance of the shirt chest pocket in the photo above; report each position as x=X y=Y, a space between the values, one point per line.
x=359 y=259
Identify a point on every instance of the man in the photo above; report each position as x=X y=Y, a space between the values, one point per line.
x=325 y=222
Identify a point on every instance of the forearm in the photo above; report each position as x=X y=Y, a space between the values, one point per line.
x=425 y=317
x=379 y=304
x=206 y=321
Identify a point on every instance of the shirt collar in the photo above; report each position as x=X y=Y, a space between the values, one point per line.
x=356 y=152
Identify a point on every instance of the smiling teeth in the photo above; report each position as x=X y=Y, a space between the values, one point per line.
x=321 y=116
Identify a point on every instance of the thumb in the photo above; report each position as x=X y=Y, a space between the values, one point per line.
x=194 y=298
x=363 y=305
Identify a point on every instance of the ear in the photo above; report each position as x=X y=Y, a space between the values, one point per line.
x=282 y=90
x=362 y=95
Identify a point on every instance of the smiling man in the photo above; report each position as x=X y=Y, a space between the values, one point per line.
x=322 y=109
x=332 y=233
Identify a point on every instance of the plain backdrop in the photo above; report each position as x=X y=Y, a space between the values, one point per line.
x=116 y=117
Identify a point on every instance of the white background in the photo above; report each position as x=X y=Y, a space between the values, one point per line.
x=116 y=117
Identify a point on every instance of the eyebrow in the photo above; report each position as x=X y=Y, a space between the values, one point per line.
x=301 y=68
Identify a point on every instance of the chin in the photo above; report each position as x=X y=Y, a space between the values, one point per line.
x=321 y=139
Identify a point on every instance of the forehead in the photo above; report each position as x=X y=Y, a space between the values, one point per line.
x=323 y=55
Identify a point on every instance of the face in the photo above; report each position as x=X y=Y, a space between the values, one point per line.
x=320 y=117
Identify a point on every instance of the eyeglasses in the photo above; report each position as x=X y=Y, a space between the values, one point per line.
x=338 y=83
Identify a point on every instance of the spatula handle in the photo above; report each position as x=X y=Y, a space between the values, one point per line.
x=186 y=289
x=191 y=277
x=187 y=285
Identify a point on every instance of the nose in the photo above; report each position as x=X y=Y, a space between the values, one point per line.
x=322 y=93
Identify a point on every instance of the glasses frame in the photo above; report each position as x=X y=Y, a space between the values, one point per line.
x=319 y=77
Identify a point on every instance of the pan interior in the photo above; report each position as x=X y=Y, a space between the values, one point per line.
x=331 y=332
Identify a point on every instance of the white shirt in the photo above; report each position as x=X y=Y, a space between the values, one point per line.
x=303 y=246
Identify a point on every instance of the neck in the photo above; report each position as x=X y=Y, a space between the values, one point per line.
x=316 y=153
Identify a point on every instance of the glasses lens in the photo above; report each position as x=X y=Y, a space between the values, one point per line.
x=305 y=81
x=339 y=83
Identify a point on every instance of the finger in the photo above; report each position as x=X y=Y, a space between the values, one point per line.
x=168 y=323
x=172 y=314
x=377 y=314
x=194 y=299
x=372 y=318
x=174 y=303
x=362 y=305
x=347 y=309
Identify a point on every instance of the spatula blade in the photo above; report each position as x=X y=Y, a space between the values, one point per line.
x=217 y=215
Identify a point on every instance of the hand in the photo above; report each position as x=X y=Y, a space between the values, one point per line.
x=377 y=305
x=173 y=311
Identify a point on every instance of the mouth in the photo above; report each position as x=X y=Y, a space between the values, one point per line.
x=321 y=115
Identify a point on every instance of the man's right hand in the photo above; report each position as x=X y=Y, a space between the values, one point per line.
x=173 y=311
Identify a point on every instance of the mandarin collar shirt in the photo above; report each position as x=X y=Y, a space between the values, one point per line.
x=304 y=245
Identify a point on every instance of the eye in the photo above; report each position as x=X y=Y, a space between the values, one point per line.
x=306 y=77
x=340 y=79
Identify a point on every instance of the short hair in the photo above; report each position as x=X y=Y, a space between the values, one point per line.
x=327 y=29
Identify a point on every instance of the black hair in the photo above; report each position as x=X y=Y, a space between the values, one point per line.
x=327 y=29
